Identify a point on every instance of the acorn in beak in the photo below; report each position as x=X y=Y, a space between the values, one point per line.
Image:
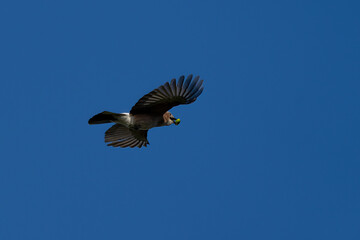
x=176 y=121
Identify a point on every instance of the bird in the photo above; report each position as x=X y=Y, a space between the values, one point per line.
x=152 y=110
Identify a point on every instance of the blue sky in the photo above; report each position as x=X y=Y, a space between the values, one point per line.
x=270 y=150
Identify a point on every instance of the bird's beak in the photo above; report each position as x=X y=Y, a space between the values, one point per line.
x=176 y=121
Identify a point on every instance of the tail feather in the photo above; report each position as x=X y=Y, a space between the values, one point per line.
x=104 y=117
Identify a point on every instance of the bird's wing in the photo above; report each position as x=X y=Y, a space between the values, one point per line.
x=169 y=95
x=121 y=136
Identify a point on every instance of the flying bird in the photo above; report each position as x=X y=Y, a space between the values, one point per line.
x=152 y=110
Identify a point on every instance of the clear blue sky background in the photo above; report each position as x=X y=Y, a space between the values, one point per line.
x=270 y=150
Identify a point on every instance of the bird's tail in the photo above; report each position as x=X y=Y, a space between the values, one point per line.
x=105 y=117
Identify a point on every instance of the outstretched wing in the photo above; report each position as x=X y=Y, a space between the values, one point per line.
x=169 y=95
x=121 y=136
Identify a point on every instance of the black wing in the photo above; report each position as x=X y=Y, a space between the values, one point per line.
x=169 y=95
x=121 y=136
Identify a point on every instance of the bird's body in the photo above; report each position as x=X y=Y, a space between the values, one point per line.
x=147 y=121
x=130 y=129
x=142 y=121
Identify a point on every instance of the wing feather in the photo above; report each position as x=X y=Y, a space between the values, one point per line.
x=121 y=136
x=173 y=86
x=186 y=84
x=169 y=95
x=179 y=85
x=195 y=89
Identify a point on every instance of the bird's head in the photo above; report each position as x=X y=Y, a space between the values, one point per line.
x=170 y=119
